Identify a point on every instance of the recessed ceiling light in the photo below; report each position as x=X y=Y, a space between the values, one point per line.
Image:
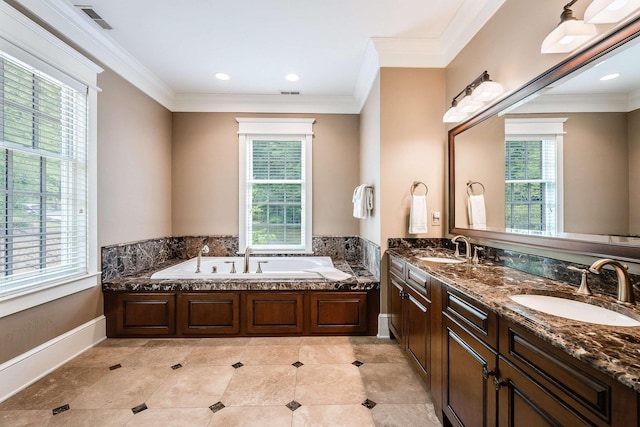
x=610 y=76
x=222 y=76
x=292 y=77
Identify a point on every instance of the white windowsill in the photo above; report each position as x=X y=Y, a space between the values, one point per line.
x=12 y=304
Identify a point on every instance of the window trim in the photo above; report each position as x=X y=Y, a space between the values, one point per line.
x=255 y=128
x=30 y=43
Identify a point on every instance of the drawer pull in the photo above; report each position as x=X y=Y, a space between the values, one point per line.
x=487 y=373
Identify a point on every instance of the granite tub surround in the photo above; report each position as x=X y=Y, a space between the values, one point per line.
x=614 y=351
x=361 y=280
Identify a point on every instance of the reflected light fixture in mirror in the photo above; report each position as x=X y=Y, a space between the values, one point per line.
x=610 y=11
x=476 y=95
x=570 y=33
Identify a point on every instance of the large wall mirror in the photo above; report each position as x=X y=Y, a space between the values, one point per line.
x=558 y=161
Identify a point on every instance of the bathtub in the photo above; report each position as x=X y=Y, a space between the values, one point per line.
x=272 y=268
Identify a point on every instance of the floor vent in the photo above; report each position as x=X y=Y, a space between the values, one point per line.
x=285 y=92
x=95 y=17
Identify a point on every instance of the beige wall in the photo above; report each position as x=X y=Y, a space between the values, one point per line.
x=205 y=173
x=634 y=171
x=134 y=164
x=370 y=159
x=412 y=146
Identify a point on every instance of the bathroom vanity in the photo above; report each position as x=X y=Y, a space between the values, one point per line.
x=491 y=361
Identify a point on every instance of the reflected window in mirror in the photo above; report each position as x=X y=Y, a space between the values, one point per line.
x=533 y=178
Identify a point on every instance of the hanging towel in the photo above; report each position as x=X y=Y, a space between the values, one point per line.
x=477 y=212
x=362 y=201
x=330 y=273
x=418 y=215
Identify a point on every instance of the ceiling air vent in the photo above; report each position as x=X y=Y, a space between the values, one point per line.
x=95 y=17
x=285 y=92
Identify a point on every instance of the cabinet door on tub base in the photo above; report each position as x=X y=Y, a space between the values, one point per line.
x=274 y=313
x=141 y=314
x=201 y=313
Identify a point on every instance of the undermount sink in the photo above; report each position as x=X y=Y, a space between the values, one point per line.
x=442 y=260
x=575 y=310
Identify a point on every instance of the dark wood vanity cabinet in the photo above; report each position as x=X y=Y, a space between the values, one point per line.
x=486 y=370
x=410 y=319
x=469 y=361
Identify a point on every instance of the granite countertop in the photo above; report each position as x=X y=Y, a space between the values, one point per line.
x=361 y=280
x=613 y=350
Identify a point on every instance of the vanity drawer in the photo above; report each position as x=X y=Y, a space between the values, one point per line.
x=418 y=280
x=396 y=266
x=580 y=386
x=471 y=315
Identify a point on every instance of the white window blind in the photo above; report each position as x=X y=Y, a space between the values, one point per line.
x=276 y=194
x=43 y=178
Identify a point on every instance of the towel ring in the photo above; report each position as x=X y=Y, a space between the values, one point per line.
x=470 y=188
x=416 y=184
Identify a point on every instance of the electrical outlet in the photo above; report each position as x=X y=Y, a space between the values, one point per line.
x=435 y=218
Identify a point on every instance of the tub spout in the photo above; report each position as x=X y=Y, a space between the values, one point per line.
x=247 y=254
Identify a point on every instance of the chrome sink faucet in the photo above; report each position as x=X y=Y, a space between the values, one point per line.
x=247 y=254
x=625 y=290
x=204 y=250
x=467 y=244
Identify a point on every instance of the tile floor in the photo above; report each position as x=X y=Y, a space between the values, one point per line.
x=297 y=381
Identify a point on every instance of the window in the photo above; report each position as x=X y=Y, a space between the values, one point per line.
x=533 y=150
x=275 y=184
x=43 y=177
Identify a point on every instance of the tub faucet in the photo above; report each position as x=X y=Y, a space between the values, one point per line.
x=625 y=290
x=247 y=253
x=204 y=250
x=466 y=243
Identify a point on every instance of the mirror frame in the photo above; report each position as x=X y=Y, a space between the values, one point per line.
x=612 y=41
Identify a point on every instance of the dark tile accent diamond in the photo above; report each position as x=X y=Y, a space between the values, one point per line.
x=370 y=404
x=114 y=367
x=297 y=364
x=293 y=405
x=237 y=365
x=216 y=407
x=176 y=366
x=357 y=363
x=61 y=409
x=139 y=408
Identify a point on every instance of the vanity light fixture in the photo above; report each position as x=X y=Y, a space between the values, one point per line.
x=610 y=11
x=570 y=33
x=476 y=94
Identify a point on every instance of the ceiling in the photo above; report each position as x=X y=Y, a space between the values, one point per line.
x=172 y=49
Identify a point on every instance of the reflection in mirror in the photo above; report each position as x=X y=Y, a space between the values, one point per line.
x=564 y=162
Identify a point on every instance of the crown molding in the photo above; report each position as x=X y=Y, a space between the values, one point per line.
x=71 y=23
x=215 y=103
x=409 y=52
x=367 y=76
x=634 y=100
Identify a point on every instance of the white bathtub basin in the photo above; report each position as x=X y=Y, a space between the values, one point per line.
x=575 y=310
x=272 y=267
x=441 y=260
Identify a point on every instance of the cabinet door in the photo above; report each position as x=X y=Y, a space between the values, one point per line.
x=141 y=314
x=209 y=313
x=338 y=312
x=417 y=334
x=469 y=395
x=523 y=402
x=396 y=296
x=274 y=313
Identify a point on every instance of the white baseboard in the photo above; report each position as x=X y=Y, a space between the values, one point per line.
x=29 y=367
x=383 y=325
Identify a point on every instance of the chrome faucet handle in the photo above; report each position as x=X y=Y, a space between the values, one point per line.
x=475 y=259
x=233 y=266
x=259 y=269
x=205 y=249
x=584 y=287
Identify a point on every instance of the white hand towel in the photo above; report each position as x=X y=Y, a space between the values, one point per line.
x=477 y=212
x=330 y=273
x=362 y=201
x=418 y=215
